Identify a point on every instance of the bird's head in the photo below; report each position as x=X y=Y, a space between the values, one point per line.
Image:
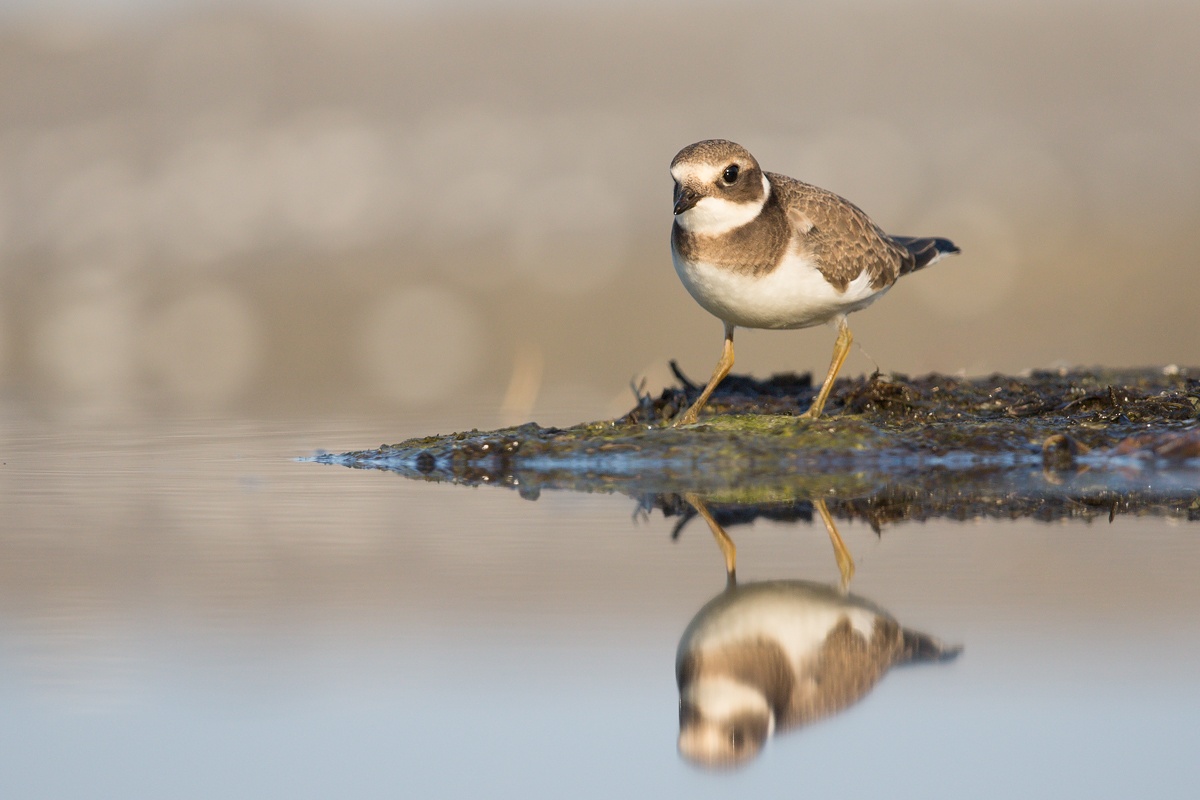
x=718 y=187
x=723 y=723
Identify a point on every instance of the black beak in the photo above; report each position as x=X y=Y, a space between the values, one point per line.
x=685 y=198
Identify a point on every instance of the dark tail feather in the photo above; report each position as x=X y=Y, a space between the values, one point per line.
x=920 y=647
x=925 y=251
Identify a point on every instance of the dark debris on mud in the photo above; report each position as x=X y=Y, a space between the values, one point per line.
x=1095 y=402
x=1051 y=444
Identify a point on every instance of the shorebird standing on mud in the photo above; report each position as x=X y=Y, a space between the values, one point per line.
x=762 y=250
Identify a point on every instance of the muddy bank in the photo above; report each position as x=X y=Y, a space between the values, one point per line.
x=1080 y=443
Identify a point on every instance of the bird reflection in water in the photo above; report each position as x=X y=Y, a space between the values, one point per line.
x=768 y=656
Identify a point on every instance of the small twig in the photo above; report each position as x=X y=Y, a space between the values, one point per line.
x=679 y=376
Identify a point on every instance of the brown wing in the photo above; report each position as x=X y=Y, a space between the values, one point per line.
x=846 y=668
x=840 y=235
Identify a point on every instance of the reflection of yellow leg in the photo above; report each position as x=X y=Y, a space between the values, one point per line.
x=722 y=369
x=844 y=559
x=841 y=348
x=723 y=541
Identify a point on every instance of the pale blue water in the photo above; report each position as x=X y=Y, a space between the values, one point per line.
x=185 y=611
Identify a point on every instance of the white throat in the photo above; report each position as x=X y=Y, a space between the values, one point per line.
x=719 y=697
x=713 y=216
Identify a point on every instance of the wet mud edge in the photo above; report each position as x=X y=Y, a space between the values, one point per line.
x=1056 y=419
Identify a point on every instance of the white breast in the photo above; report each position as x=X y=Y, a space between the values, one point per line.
x=793 y=295
x=796 y=617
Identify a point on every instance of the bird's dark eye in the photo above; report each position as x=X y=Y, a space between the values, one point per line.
x=730 y=174
x=736 y=739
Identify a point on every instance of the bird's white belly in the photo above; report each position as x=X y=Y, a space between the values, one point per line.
x=793 y=295
x=796 y=617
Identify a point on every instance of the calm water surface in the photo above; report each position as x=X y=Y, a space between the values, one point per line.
x=187 y=611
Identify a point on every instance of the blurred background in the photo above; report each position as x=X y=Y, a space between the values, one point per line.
x=296 y=210
x=233 y=233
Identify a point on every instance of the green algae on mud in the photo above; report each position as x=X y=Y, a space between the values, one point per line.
x=990 y=414
x=1049 y=444
x=873 y=420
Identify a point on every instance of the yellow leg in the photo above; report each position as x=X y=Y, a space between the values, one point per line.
x=728 y=548
x=844 y=560
x=841 y=348
x=722 y=369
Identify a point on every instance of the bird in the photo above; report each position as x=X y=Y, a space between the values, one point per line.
x=761 y=250
x=763 y=657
